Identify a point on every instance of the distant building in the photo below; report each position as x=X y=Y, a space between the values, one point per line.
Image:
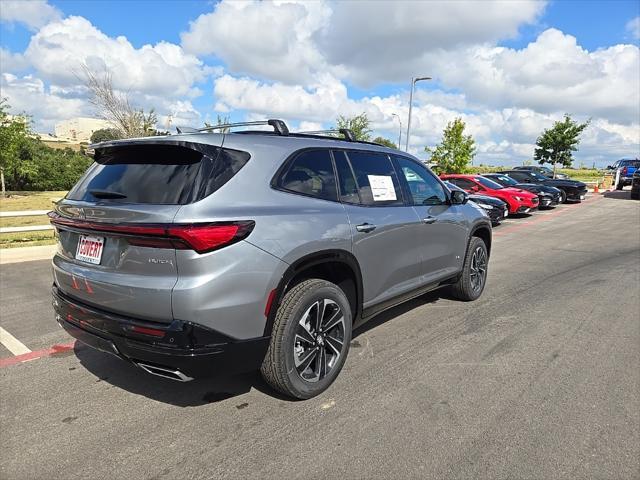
x=79 y=129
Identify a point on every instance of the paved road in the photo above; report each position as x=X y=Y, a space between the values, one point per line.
x=537 y=379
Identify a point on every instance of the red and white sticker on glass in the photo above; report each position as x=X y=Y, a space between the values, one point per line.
x=90 y=249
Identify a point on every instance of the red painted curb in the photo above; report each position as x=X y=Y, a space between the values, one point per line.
x=65 y=347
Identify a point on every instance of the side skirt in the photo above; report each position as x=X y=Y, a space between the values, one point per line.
x=373 y=310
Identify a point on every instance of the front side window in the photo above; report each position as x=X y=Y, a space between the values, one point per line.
x=311 y=173
x=424 y=188
x=377 y=181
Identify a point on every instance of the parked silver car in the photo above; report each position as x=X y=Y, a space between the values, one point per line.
x=204 y=253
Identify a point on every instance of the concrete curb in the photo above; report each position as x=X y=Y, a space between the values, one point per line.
x=27 y=254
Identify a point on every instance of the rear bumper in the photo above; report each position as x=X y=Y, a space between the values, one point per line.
x=626 y=180
x=183 y=347
x=576 y=194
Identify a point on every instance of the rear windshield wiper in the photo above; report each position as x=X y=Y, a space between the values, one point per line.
x=106 y=194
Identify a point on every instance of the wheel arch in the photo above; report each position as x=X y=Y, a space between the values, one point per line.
x=337 y=266
x=482 y=231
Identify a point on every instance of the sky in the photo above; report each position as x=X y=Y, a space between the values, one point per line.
x=509 y=68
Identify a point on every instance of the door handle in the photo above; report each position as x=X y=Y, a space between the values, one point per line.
x=429 y=220
x=365 y=227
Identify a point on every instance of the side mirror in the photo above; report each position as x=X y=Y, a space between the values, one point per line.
x=610 y=167
x=475 y=188
x=458 y=197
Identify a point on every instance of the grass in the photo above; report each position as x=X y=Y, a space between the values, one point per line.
x=27 y=239
x=27 y=201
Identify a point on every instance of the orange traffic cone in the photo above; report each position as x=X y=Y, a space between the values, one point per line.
x=595 y=189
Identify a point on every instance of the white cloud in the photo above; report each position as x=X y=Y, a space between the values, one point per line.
x=633 y=27
x=58 y=50
x=12 y=62
x=551 y=74
x=390 y=42
x=34 y=13
x=266 y=39
x=29 y=95
x=505 y=136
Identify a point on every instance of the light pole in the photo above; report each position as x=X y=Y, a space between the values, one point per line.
x=400 y=132
x=413 y=85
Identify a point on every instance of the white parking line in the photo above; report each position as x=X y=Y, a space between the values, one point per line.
x=12 y=344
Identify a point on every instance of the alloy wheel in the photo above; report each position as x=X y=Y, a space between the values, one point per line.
x=319 y=340
x=478 y=269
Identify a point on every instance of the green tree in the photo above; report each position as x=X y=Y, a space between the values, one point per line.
x=359 y=125
x=557 y=144
x=104 y=135
x=28 y=164
x=385 y=141
x=455 y=152
x=14 y=134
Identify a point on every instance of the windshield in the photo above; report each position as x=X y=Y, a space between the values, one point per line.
x=504 y=180
x=488 y=183
x=538 y=176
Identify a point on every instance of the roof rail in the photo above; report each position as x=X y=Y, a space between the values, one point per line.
x=186 y=130
x=279 y=126
x=348 y=134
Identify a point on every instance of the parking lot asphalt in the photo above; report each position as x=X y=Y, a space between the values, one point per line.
x=537 y=379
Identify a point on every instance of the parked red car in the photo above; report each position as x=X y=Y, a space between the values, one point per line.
x=519 y=201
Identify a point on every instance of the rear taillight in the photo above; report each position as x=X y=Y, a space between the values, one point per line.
x=201 y=237
x=625 y=170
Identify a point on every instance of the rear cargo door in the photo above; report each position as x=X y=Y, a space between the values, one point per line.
x=110 y=255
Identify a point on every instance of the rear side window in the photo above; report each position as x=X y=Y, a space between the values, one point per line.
x=346 y=180
x=162 y=173
x=311 y=173
x=463 y=183
x=376 y=178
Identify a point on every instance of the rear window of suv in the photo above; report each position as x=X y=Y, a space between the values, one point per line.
x=161 y=173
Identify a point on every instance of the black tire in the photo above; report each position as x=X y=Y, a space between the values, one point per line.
x=635 y=194
x=563 y=196
x=291 y=342
x=466 y=288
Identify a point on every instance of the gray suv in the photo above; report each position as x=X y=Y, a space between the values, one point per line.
x=203 y=253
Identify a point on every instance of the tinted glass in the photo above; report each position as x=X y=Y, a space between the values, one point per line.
x=376 y=178
x=423 y=186
x=311 y=173
x=538 y=176
x=488 y=183
x=346 y=181
x=629 y=163
x=164 y=173
x=504 y=180
x=520 y=177
x=463 y=183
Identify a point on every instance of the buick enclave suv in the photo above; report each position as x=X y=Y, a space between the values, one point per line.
x=201 y=253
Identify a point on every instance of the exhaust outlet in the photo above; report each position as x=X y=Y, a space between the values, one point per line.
x=169 y=373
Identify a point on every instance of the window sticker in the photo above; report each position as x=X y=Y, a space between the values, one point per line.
x=382 y=188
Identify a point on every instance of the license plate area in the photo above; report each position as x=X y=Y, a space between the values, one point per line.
x=90 y=249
